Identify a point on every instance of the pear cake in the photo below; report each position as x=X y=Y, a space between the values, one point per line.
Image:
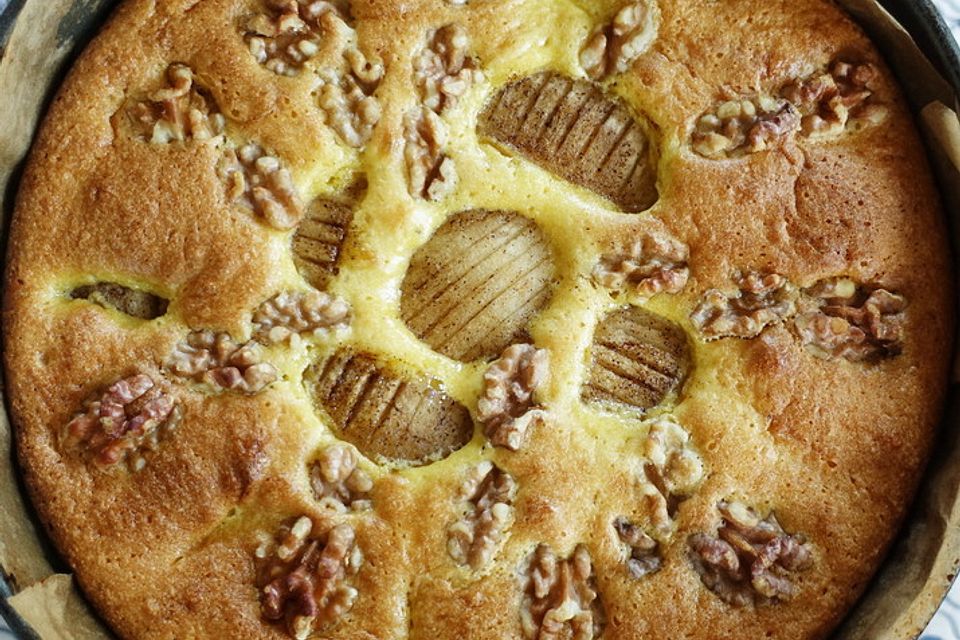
x=484 y=319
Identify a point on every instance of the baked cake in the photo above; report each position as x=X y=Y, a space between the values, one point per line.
x=536 y=319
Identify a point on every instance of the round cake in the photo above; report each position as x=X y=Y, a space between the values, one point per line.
x=487 y=319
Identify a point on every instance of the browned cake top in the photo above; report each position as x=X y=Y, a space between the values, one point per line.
x=539 y=319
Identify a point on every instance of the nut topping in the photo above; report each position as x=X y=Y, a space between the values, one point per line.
x=298 y=313
x=654 y=264
x=259 y=182
x=338 y=482
x=303 y=578
x=347 y=99
x=487 y=510
x=284 y=39
x=673 y=468
x=431 y=173
x=613 y=47
x=748 y=125
x=508 y=387
x=442 y=71
x=179 y=112
x=833 y=101
x=750 y=560
x=644 y=555
x=561 y=600
x=840 y=319
x=763 y=299
x=123 y=422
x=219 y=361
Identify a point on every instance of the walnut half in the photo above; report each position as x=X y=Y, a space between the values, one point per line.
x=656 y=263
x=179 y=112
x=298 y=313
x=644 y=552
x=487 y=496
x=746 y=125
x=762 y=300
x=560 y=599
x=123 y=422
x=673 y=470
x=259 y=182
x=841 y=319
x=613 y=47
x=304 y=576
x=338 y=482
x=508 y=387
x=290 y=34
x=218 y=360
x=841 y=98
x=750 y=559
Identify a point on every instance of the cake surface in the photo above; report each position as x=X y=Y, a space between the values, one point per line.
x=534 y=319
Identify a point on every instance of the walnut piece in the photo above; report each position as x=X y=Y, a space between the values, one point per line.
x=304 y=578
x=673 y=470
x=348 y=102
x=298 y=313
x=656 y=263
x=338 y=482
x=561 y=599
x=259 y=182
x=644 y=552
x=840 y=319
x=743 y=126
x=218 y=360
x=508 y=387
x=762 y=300
x=123 y=422
x=613 y=47
x=836 y=100
x=487 y=511
x=442 y=71
x=179 y=112
x=431 y=173
x=750 y=560
x=289 y=34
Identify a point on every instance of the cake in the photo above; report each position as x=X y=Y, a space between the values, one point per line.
x=442 y=319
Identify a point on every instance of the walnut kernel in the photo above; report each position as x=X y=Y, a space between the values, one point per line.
x=673 y=470
x=750 y=559
x=561 y=599
x=442 y=71
x=290 y=34
x=487 y=511
x=123 y=422
x=840 y=319
x=656 y=263
x=762 y=300
x=298 y=313
x=431 y=173
x=508 y=388
x=338 y=481
x=743 y=126
x=613 y=47
x=179 y=112
x=219 y=361
x=304 y=578
x=644 y=553
x=841 y=98
x=260 y=183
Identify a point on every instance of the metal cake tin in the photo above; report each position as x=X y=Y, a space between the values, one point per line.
x=922 y=21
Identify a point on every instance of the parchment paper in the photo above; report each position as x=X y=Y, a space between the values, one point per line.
x=898 y=604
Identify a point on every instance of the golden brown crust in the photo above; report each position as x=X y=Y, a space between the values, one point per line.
x=834 y=447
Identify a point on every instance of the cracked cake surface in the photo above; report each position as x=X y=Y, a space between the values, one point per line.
x=487 y=319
